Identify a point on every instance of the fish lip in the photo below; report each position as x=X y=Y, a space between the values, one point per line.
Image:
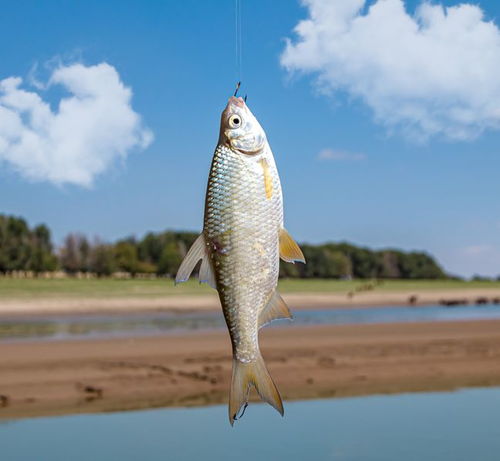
x=238 y=102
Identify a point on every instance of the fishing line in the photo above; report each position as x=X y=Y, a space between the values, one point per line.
x=239 y=51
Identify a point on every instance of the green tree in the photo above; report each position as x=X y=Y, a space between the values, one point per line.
x=417 y=265
x=102 y=259
x=391 y=261
x=42 y=256
x=126 y=257
x=16 y=246
x=170 y=259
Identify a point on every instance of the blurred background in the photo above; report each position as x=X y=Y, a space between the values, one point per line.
x=384 y=123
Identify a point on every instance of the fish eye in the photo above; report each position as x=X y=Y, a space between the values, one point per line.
x=235 y=121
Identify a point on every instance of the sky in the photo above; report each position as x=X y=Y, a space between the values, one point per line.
x=383 y=117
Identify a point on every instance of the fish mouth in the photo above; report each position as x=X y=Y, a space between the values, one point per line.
x=234 y=101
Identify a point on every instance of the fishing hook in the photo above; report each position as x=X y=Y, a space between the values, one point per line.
x=236 y=417
x=237 y=88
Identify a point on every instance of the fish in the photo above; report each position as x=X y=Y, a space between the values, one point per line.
x=240 y=247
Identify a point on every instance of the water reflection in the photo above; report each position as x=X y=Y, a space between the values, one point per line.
x=464 y=425
x=105 y=326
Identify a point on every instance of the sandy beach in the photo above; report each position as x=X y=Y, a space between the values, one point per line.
x=54 y=378
x=207 y=302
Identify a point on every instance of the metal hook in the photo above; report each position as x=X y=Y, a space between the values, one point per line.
x=236 y=417
x=237 y=88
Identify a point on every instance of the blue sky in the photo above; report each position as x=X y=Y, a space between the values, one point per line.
x=384 y=189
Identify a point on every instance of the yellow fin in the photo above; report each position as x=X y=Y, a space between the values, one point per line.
x=252 y=373
x=289 y=250
x=268 y=181
x=276 y=308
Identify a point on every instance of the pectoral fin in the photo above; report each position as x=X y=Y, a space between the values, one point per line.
x=207 y=274
x=197 y=251
x=289 y=250
x=275 y=309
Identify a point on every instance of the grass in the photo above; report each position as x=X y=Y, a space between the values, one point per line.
x=73 y=288
x=98 y=288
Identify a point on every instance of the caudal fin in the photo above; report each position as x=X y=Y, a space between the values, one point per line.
x=245 y=375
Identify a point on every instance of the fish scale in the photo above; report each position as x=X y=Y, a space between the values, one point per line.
x=242 y=226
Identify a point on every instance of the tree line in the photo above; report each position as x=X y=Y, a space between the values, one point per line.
x=30 y=249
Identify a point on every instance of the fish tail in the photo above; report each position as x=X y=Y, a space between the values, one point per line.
x=252 y=373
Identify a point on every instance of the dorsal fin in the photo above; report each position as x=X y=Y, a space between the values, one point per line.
x=275 y=308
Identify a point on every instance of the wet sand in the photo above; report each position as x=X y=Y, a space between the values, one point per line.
x=82 y=305
x=54 y=378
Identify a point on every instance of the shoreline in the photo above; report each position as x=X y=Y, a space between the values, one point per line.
x=14 y=307
x=91 y=376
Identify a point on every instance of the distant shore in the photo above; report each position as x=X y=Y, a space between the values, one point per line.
x=66 y=305
x=54 y=378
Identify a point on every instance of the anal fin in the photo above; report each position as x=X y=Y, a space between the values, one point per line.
x=289 y=250
x=276 y=308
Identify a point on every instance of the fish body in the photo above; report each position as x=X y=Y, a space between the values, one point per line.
x=240 y=246
x=241 y=227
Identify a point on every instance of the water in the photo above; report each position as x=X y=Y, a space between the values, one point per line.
x=133 y=324
x=457 y=426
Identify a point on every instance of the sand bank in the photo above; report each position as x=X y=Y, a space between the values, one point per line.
x=194 y=369
x=80 y=305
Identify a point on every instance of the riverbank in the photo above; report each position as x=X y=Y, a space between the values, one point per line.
x=31 y=297
x=67 y=305
x=194 y=369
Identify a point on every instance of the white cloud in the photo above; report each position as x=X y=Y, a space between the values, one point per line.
x=333 y=154
x=478 y=250
x=92 y=127
x=431 y=73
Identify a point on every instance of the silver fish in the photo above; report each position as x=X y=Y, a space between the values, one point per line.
x=242 y=240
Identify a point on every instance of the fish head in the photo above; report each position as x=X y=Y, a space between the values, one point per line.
x=240 y=130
